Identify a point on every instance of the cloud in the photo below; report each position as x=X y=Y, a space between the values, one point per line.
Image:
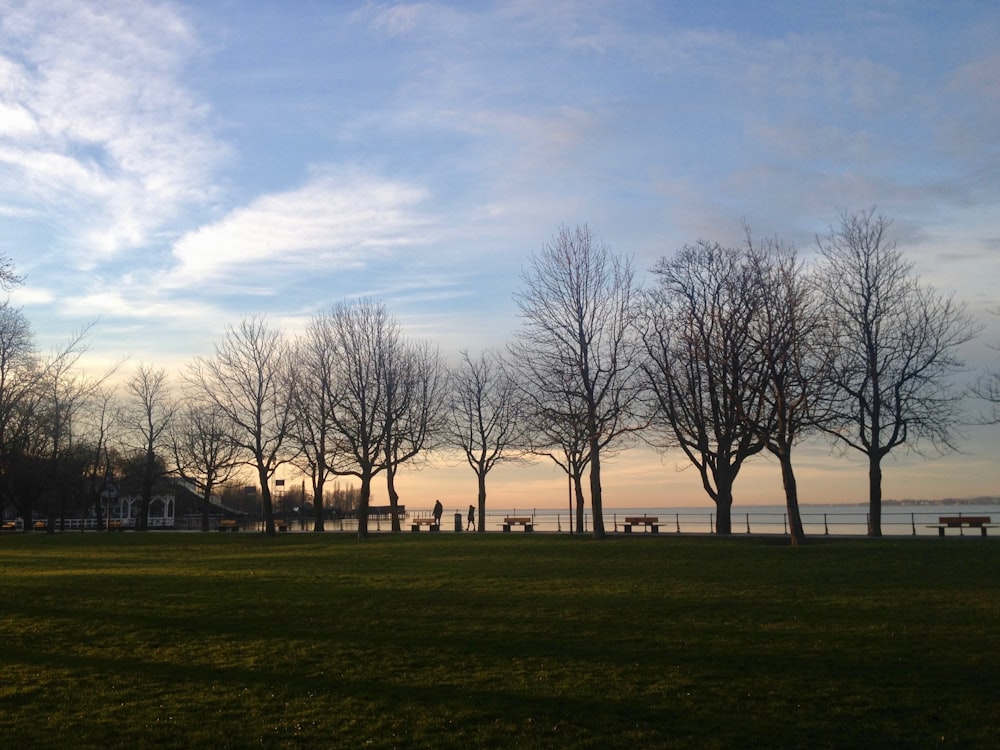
x=25 y=295
x=97 y=123
x=394 y=20
x=337 y=220
x=970 y=106
x=127 y=303
x=16 y=121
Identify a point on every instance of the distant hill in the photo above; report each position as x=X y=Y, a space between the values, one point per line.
x=985 y=500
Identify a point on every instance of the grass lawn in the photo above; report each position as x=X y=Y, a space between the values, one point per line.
x=165 y=640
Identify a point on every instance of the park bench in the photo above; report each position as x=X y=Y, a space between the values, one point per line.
x=961 y=523
x=9 y=526
x=116 y=525
x=430 y=523
x=228 y=524
x=281 y=524
x=524 y=521
x=40 y=525
x=650 y=522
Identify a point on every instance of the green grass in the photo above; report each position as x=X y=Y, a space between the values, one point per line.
x=533 y=641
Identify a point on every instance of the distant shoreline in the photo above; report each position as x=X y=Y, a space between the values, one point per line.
x=946 y=501
x=737 y=508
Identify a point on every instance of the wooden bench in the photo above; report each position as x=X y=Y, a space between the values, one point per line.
x=430 y=523
x=961 y=523
x=40 y=525
x=525 y=521
x=228 y=524
x=116 y=525
x=9 y=526
x=281 y=524
x=650 y=522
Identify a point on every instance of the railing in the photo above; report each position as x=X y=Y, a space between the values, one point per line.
x=688 y=521
x=852 y=521
x=91 y=524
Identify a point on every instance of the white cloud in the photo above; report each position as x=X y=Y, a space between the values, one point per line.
x=15 y=121
x=334 y=220
x=395 y=20
x=133 y=303
x=27 y=295
x=100 y=125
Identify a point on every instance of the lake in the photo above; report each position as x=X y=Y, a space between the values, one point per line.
x=817 y=520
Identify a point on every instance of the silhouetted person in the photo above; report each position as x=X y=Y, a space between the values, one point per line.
x=471 y=525
x=438 y=510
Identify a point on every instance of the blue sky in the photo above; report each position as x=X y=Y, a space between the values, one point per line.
x=166 y=168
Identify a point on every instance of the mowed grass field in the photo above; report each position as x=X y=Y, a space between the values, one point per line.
x=170 y=640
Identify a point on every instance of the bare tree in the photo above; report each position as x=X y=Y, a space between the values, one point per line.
x=702 y=368
x=577 y=307
x=103 y=420
x=44 y=405
x=149 y=411
x=484 y=421
x=63 y=391
x=414 y=401
x=23 y=421
x=366 y=338
x=8 y=277
x=895 y=345
x=247 y=381
x=987 y=388
x=558 y=430
x=204 y=451
x=314 y=397
x=789 y=335
x=18 y=371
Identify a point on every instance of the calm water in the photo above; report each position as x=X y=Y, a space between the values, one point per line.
x=818 y=520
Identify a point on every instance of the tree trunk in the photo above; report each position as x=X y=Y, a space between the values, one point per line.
x=724 y=506
x=319 y=520
x=390 y=483
x=98 y=512
x=267 y=510
x=874 y=494
x=145 y=498
x=581 y=502
x=148 y=474
x=481 y=475
x=27 y=513
x=364 y=495
x=206 y=508
x=596 y=500
x=795 y=530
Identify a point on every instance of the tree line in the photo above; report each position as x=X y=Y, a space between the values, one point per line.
x=727 y=353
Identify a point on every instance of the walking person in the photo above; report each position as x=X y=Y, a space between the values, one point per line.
x=438 y=510
x=471 y=525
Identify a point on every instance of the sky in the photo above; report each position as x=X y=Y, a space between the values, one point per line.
x=167 y=168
